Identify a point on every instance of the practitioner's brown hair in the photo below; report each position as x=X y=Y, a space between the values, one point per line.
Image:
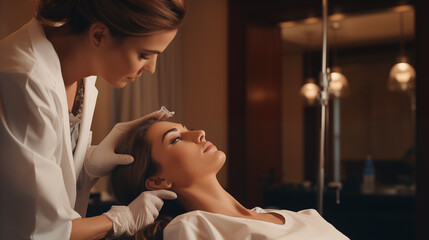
x=122 y=17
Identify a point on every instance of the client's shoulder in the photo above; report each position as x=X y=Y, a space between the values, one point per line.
x=191 y=216
x=190 y=225
x=305 y=213
x=310 y=211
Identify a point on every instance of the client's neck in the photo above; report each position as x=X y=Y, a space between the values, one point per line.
x=208 y=195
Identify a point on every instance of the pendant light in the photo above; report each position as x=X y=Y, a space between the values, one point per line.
x=402 y=75
x=310 y=90
x=338 y=85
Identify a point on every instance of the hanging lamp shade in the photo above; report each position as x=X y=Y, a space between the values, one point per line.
x=338 y=85
x=310 y=91
x=402 y=76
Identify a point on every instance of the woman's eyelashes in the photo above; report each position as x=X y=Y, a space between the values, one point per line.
x=175 y=140
x=179 y=138
x=144 y=56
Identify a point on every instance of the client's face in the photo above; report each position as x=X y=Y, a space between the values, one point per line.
x=184 y=156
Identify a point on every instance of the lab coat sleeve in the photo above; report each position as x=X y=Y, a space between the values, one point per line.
x=34 y=202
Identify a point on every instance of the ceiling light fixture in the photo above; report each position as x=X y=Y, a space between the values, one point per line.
x=402 y=75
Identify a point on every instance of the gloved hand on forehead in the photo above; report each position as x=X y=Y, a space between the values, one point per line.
x=139 y=213
x=100 y=160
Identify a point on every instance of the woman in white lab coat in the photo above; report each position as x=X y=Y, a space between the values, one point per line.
x=48 y=70
x=169 y=156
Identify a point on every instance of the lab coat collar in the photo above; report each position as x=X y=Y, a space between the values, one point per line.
x=44 y=49
x=84 y=140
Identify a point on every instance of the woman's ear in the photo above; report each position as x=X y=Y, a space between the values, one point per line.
x=157 y=183
x=98 y=33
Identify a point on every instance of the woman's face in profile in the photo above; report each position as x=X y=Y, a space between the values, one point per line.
x=184 y=156
x=123 y=61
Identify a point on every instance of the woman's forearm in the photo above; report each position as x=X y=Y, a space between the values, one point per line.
x=91 y=228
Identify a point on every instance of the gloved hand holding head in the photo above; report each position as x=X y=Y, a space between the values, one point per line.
x=101 y=159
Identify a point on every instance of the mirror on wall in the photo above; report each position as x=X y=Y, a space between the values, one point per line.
x=372 y=118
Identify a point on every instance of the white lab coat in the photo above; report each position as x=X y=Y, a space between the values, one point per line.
x=201 y=225
x=42 y=185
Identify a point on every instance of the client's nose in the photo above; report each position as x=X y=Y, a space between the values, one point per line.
x=200 y=136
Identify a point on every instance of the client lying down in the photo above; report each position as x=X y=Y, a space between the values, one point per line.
x=169 y=156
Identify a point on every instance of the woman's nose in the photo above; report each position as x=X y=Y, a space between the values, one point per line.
x=150 y=65
x=200 y=136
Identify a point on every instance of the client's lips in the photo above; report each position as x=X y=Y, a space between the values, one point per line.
x=208 y=146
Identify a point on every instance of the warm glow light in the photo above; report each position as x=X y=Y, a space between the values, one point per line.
x=402 y=76
x=403 y=66
x=338 y=83
x=337 y=17
x=403 y=8
x=287 y=24
x=310 y=91
x=311 y=20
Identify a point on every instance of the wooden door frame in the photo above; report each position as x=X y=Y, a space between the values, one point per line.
x=422 y=118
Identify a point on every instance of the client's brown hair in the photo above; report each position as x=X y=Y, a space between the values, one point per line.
x=128 y=181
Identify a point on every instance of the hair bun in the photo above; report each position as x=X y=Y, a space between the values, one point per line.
x=52 y=11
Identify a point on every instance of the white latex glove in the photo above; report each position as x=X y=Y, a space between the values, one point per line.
x=101 y=160
x=139 y=213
